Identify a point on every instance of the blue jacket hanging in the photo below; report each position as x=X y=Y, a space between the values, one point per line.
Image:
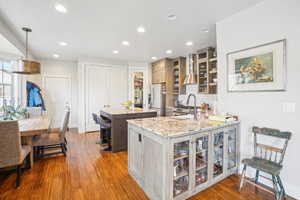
x=34 y=97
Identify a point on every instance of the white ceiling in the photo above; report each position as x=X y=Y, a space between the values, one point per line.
x=8 y=50
x=95 y=28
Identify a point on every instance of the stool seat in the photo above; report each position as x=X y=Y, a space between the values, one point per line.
x=263 y=165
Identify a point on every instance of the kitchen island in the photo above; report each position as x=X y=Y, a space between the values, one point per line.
x=118 y=118
x=176 y=157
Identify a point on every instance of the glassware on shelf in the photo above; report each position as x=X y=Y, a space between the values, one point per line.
x=218 y=153
x=180 y=185
x=181 y=167
x=201 y=176
x=201 y=160
x=181 y=149
x=231 y=148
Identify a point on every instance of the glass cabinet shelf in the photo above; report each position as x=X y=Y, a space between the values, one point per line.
x=181 y=168
x=201 y=163
x=231 y=148
x=218 y=153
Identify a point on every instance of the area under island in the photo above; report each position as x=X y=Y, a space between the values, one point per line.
x=175 y=158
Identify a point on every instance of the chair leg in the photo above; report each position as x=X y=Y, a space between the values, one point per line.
x=28 y=162
x=65 y=146
x=18 y=179
x=66 y=141
x=276 y=191
x=256 y=176
x=282 y=191
x=63 y=149
x=243 y=177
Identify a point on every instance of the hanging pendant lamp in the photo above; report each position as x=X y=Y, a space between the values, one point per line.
x=26 y=66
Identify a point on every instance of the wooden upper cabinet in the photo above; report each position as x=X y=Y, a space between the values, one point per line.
x=159 y=70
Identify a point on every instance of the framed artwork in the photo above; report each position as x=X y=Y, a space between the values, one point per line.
x=260 y=68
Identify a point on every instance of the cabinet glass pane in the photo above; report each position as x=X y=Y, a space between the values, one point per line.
x=201 y=160
x=218 y=153
x=232 y=148
x=181 y=168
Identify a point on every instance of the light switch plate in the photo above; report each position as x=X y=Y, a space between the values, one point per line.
x=288 y=107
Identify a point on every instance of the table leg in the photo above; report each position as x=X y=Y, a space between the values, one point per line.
x=29 y=143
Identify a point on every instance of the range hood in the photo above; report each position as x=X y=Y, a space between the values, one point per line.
x=26 y=66
x=190 y=79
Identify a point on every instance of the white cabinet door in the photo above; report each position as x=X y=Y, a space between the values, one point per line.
x=97 y=93
x=135 y=153
x=117 y=86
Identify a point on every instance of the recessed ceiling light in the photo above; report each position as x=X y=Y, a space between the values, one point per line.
x=141 y=29
x=63 y=44
x=55 y=55
x=115 y=52
x=153 y=57
x=172 y=17
x=169 y=51
x=189 y=43
x=60 y=8
x=205 y=30
x=125 y=43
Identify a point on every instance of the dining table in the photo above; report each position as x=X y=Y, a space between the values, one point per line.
x=33 y=127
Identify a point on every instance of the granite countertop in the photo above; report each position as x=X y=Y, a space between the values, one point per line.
x=120 y=111
x=176 y=126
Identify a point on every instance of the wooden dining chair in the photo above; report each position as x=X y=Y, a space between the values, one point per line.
x=268 y=159
x=12 y=153
x=53 y=140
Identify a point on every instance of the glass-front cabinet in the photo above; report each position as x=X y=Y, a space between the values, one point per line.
x=201 y=160
x=181 y=165
x=231 y=148
x=218 y=153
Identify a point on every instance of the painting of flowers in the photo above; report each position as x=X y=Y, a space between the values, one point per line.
x=254 y=69
x=260 y=68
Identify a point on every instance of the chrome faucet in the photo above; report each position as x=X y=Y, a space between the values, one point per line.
x=195 y=106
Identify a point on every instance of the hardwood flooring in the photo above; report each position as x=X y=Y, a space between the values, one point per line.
x=87 y=173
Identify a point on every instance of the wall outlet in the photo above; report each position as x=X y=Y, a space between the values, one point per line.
x=288 y=107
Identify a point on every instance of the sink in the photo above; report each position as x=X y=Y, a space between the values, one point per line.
x=184 y=117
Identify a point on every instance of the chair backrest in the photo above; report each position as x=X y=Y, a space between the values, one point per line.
x=96 y=118
x=104 y=123
x=65 y=123
x=10 y=143
x=268 y=152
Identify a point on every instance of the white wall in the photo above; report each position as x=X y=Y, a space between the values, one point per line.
x=268 y=21
x=64 y=68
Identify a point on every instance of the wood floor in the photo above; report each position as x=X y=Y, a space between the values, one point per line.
x=87 y=173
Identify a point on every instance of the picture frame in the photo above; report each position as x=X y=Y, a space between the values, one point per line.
x=257 y=69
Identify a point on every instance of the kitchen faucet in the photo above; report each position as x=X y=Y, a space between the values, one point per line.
x=195 y=107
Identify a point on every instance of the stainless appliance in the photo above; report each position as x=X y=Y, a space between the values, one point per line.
x=158 y=98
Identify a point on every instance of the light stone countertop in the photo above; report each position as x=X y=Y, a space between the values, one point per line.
x=120 y=111
x=174 y=127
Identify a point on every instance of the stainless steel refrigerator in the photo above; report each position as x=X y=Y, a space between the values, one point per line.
x=158 y=98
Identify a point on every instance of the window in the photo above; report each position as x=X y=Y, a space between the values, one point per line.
x=8 y=83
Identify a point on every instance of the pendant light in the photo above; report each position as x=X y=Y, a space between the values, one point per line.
x=27 y=66
x=190 y=79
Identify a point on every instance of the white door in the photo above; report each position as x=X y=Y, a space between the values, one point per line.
x=118 y=86
x=57 y=94
x=97 y=93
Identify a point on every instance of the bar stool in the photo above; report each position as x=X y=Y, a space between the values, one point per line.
x=105 y=131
